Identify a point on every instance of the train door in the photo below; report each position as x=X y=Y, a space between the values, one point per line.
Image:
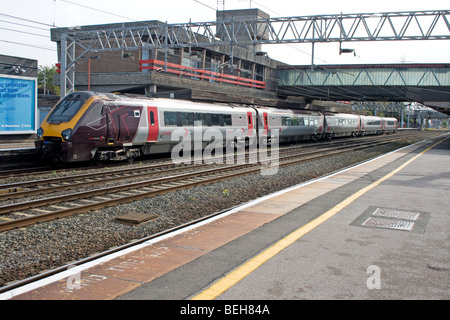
x=153 y=124
x=111 y=129
x=250 y=123
x=265 y=123
x=122 y=124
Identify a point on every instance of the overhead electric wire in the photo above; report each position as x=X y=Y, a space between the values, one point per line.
x=24 y=25
x=205 y=5
x=34 y=34
x=28 y=20
x=98 y=10
x=26 y=32
x=28 y=45
x=259 y=4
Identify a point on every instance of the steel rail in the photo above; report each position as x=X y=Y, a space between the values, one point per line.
x=99 y=179
x=13 y=190
x=216 y=173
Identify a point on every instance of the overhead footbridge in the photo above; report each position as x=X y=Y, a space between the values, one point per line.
x=428 y=84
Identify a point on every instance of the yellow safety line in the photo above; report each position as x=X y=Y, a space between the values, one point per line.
x=245 y=269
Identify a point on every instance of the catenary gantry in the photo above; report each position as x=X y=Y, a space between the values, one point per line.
x=244 y=31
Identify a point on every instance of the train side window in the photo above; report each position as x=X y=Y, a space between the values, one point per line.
x=187 y=118
x=170 y=119
x=221 y=120
x=215 y=119
x=227 y=119
x=152 y=118
x=202 y=117
x=97 y=109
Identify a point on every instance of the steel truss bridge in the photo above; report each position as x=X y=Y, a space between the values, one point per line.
x=425 y=83
x=387 y=26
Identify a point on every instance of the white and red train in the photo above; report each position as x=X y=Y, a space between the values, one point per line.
x=87 y=126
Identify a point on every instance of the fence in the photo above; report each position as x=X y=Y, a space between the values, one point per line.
x=201 y=74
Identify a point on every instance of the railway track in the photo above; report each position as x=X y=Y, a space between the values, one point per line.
x=24 y=169
x=45 y=207
x=60 y=182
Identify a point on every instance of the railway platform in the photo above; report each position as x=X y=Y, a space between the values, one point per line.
x=18 y=146
x=378 y=230
x=17 y=142
x=10 y=149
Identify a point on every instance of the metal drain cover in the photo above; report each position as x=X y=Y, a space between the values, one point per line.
x=394 y=219
x=397 y=214
x=388 y=223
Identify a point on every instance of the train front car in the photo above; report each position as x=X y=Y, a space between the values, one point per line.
x=55 y=136
x=86 y=126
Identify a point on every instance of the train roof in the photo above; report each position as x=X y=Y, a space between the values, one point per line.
x=289 y=111
x=341 y=114
x=125 y=97
x=136 y=98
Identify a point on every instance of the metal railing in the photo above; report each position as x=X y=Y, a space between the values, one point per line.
x=200 y=74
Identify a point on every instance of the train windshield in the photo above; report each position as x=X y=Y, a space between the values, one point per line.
x=66 y=109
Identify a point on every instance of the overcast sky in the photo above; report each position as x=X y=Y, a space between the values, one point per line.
x=33 y=39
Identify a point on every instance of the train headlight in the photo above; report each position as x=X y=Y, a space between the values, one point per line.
x=40 y=133
x=67 y=134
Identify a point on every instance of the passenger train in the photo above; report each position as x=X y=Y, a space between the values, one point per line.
x=86 y=126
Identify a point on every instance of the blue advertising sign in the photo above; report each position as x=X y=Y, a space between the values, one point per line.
x=18 y=104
